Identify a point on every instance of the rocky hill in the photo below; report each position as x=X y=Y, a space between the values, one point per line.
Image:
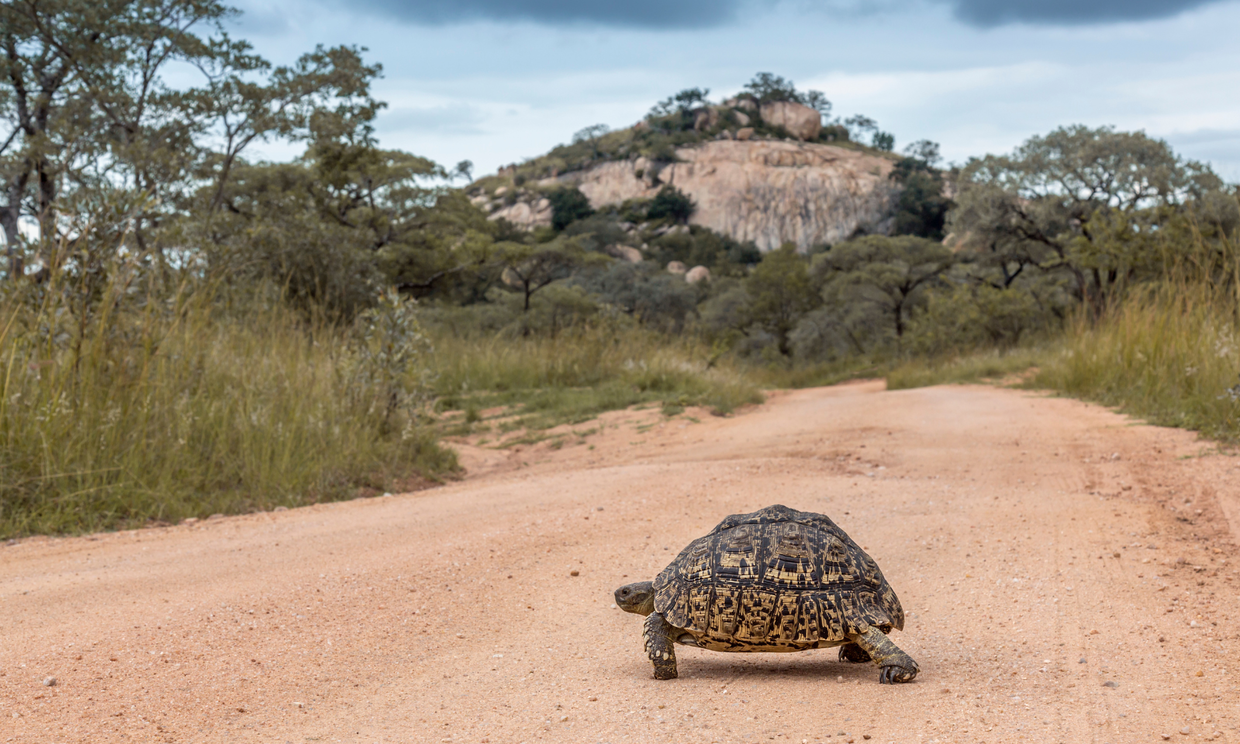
x=764 y=175
x=770 y=184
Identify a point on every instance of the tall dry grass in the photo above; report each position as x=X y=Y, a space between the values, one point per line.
x=1169 y=354
x=128 y=409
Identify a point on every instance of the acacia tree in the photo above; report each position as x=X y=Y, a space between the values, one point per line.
x=1054 y=203
x=591 y=136
x=91 y=120
x=681 y=103
x=529 y=268
x=780 y=291
x=888 y=274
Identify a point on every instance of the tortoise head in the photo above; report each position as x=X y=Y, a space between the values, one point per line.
x=638 y=598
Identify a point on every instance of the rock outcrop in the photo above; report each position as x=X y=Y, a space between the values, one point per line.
x=527 y=213
x=626 y=252
x=697 y=274
x=770 y=192
x=801 y=122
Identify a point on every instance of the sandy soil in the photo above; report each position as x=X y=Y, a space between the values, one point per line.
x=1068 y=576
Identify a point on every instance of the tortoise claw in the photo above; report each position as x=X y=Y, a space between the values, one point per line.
x=890 y=675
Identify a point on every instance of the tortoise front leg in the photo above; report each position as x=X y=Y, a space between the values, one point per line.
x=896 y=665
x=658 y=635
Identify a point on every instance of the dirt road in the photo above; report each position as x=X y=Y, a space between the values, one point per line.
x=1068 y=576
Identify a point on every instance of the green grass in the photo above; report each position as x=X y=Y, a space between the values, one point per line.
x=989 y=365
x=1168 y=356
x=772 y=377
x=163 y=411
x=575 y=376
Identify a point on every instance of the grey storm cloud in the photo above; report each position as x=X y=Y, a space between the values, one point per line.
x=633 y=13
x=690 y=14
x=987 y=13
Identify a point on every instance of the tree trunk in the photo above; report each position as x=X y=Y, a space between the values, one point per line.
x=10 y=219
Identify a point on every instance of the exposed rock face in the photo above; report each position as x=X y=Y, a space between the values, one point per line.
x=676 y=267
x=627 y=252
x=744 y=133
x=741 y=103
x=705 y=119
x=697 y=274
x=527 y=214
x=801 y=122
x=764 y=191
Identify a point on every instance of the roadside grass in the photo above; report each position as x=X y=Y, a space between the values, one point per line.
x=987 y=365
x=1170 y=355
x=817 y=375
x=164 y=411
x=575 y=376
x=147 y=412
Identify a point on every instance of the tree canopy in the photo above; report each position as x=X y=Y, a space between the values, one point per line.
x=1056 y=203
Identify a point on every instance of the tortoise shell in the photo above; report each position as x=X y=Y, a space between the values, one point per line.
x=775 y=580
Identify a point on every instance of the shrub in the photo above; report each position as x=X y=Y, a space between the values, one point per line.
x=671 y=203
x=969 y=317
x=568 y=204
x=658 y=299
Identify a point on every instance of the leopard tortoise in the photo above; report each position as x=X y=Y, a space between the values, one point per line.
x=774 y=580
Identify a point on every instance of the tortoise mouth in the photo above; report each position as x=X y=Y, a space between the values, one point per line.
x=637 y=598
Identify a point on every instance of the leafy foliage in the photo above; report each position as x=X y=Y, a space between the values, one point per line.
x=889 y=275
x=657 y=299
x=567 y=205
x=976 y=316
x=1086 y=203
x=391 y=359
x=922 y=207
x=671 y=203
x=681 y=103
x=699 y=246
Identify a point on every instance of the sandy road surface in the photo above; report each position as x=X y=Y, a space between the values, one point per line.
x=1068 y=577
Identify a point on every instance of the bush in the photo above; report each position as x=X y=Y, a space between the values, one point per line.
x=969 y=317
x=597 y=231
x=701 y=246
x=659 y=300
x=921 y=208
x=568 y=204
x=671 y=203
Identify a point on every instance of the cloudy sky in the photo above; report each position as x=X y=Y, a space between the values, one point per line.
x=498 y=81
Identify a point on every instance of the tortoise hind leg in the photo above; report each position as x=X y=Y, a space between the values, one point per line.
x=895 y=665
x=854 y=654
x=658 y=635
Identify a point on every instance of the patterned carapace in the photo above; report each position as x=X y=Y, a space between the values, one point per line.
x=775 y=580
